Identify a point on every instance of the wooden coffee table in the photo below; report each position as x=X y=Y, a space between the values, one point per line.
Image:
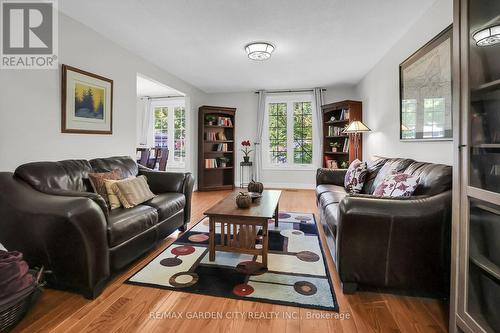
x=239 y=225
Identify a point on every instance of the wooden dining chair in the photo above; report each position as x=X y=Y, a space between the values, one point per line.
x=162 y=164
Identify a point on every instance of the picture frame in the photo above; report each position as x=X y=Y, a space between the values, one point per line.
x=86 y=102
x=425 y=91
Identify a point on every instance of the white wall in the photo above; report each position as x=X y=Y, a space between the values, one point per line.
x=379 y=92
x=246 y=128
x=30 y=123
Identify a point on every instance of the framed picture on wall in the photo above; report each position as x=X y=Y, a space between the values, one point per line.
x=426 y=91
x=87 y=102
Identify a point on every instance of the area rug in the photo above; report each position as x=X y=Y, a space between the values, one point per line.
x=297 y=273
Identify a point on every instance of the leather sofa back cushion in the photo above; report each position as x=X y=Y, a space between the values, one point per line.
x=70 y=175
x=132 y=191
x=373 y=166
x=125 y=164
x=434 y=178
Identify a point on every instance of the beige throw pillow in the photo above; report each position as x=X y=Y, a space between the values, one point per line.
x=132 y=192
x=114 y=202
x=97 y=182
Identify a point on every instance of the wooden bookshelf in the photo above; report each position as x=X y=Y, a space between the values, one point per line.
x=211 y=137
x=344 y=113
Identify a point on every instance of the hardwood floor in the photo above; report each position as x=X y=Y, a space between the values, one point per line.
x=128 y=308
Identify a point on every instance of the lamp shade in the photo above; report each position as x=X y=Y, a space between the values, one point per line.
x=356 y=127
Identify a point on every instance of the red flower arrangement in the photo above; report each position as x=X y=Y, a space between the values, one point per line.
x=246 y=150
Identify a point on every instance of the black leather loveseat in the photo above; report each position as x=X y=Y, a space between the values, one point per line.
x=395 y=243
x=49 y=212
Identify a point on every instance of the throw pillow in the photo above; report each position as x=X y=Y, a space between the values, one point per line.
x=355 y=176
x=397 y=185
x=114 y=202
x=97 y=182
x=132 y=192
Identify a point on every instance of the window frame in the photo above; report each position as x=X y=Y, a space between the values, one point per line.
x=171 y=104
x=289 y=99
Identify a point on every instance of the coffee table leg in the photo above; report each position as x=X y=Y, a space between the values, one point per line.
x=276 y=215
x=211 y=240
x=265 y=243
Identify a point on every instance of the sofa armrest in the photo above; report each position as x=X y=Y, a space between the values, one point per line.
x=99 y=200
x=66 y=234
x=164 y=182
x=395 y=242
x=330 y=176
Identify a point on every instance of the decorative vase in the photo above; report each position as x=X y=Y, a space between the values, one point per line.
x=334 y=149
x=246 y=159
x=223 y=164
x=243 y=200
x=254 y=186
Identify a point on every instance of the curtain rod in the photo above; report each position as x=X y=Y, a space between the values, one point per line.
x=288 y=91
x=160 y=97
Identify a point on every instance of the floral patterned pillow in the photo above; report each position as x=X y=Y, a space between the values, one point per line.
x=397 y=185
x=355 y=176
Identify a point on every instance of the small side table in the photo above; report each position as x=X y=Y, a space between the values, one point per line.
x=249 y=167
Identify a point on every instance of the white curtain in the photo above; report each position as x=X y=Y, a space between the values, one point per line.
x=261 y=113
x=147 y=123
x=318 y=137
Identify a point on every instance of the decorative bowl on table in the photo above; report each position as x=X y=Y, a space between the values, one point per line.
x=255 y=195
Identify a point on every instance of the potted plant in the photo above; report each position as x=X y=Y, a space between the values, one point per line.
x=335 y=146
x=223 y=162
x=211 y=119
x=246 y=150
x=344 y=165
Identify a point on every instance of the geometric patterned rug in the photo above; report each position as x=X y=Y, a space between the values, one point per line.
x=297 y=273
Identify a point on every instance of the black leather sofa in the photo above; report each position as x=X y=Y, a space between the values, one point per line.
x=49 y=212
x=394 y=243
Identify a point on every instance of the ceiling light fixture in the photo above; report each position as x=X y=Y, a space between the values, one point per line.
x=488 y=36
x=259 y=50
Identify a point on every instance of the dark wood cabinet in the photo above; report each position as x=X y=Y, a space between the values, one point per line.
x=216 y=148
x=336 y=117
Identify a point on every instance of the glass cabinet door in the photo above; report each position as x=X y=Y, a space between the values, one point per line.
x=482 y=285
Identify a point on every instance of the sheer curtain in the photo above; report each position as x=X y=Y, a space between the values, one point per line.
x=318 y=137
x=261 y=112
x=147 y=124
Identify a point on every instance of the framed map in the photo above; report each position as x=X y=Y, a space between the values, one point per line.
x=426 y=91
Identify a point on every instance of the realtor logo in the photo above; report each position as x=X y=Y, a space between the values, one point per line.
x=29 y=34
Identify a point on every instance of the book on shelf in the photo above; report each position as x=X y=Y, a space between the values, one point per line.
x=224 y=121
x=335 y=131
x=215 y=136
x=344 y=114
x=346 y=145
x=210 y=163
x=221 y=147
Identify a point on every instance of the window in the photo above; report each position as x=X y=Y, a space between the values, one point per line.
x=170 y=129
x=434 y=120
x=409 y=121
x=288 y=132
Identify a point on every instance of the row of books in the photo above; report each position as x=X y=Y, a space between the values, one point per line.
x=215 y=136
x=221 y=147
x=224 y=121
x=345 y=149
x=335 y=130
x=344 y=114
x=213 y=163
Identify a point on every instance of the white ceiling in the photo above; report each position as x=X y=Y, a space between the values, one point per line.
x=318 y=42
x=151 y=88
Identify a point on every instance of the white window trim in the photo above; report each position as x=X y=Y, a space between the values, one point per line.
x=171 y=103
x=289 y=98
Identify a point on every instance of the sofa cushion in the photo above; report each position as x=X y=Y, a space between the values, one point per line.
x=434 y=178
x=329 y=198
x=331 y=218
x=397 y=185
x=133 y=191
x=123 y=224
x=355 y=176
x=391 y=166
x=69 y=175
x=98 y=184
x=320 y=189
x=125 y=164
x=167 y=204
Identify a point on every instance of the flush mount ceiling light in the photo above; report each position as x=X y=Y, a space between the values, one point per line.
x=259 y=50
x=488 y=36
